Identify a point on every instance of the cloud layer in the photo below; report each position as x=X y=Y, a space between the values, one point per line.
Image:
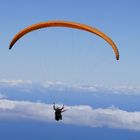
x=111 y=117
x=78 y=115
x=28 y=85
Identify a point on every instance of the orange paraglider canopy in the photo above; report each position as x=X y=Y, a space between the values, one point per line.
x=68 y=24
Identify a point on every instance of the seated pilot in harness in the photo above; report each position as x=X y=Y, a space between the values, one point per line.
x=58 y=112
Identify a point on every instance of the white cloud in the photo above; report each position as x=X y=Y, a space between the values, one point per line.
x=78 y=115
x=25 y=110
x=128 y=90
x=14 y=82
x=28 y=85
x=109 y=117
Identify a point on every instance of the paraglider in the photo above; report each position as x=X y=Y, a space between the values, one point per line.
x=58 y=23
x=58 y=112
x=68 y=24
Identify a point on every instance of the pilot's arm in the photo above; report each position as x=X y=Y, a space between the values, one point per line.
x=62 y=108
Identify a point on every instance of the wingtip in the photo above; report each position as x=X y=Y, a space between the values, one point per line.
x=10 y=47
x=117 y=58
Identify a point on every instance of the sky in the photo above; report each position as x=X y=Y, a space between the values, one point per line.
x=70 y=67
x=68 y=55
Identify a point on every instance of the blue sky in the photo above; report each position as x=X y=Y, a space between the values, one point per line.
x=80 y=70
x=68 y=55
